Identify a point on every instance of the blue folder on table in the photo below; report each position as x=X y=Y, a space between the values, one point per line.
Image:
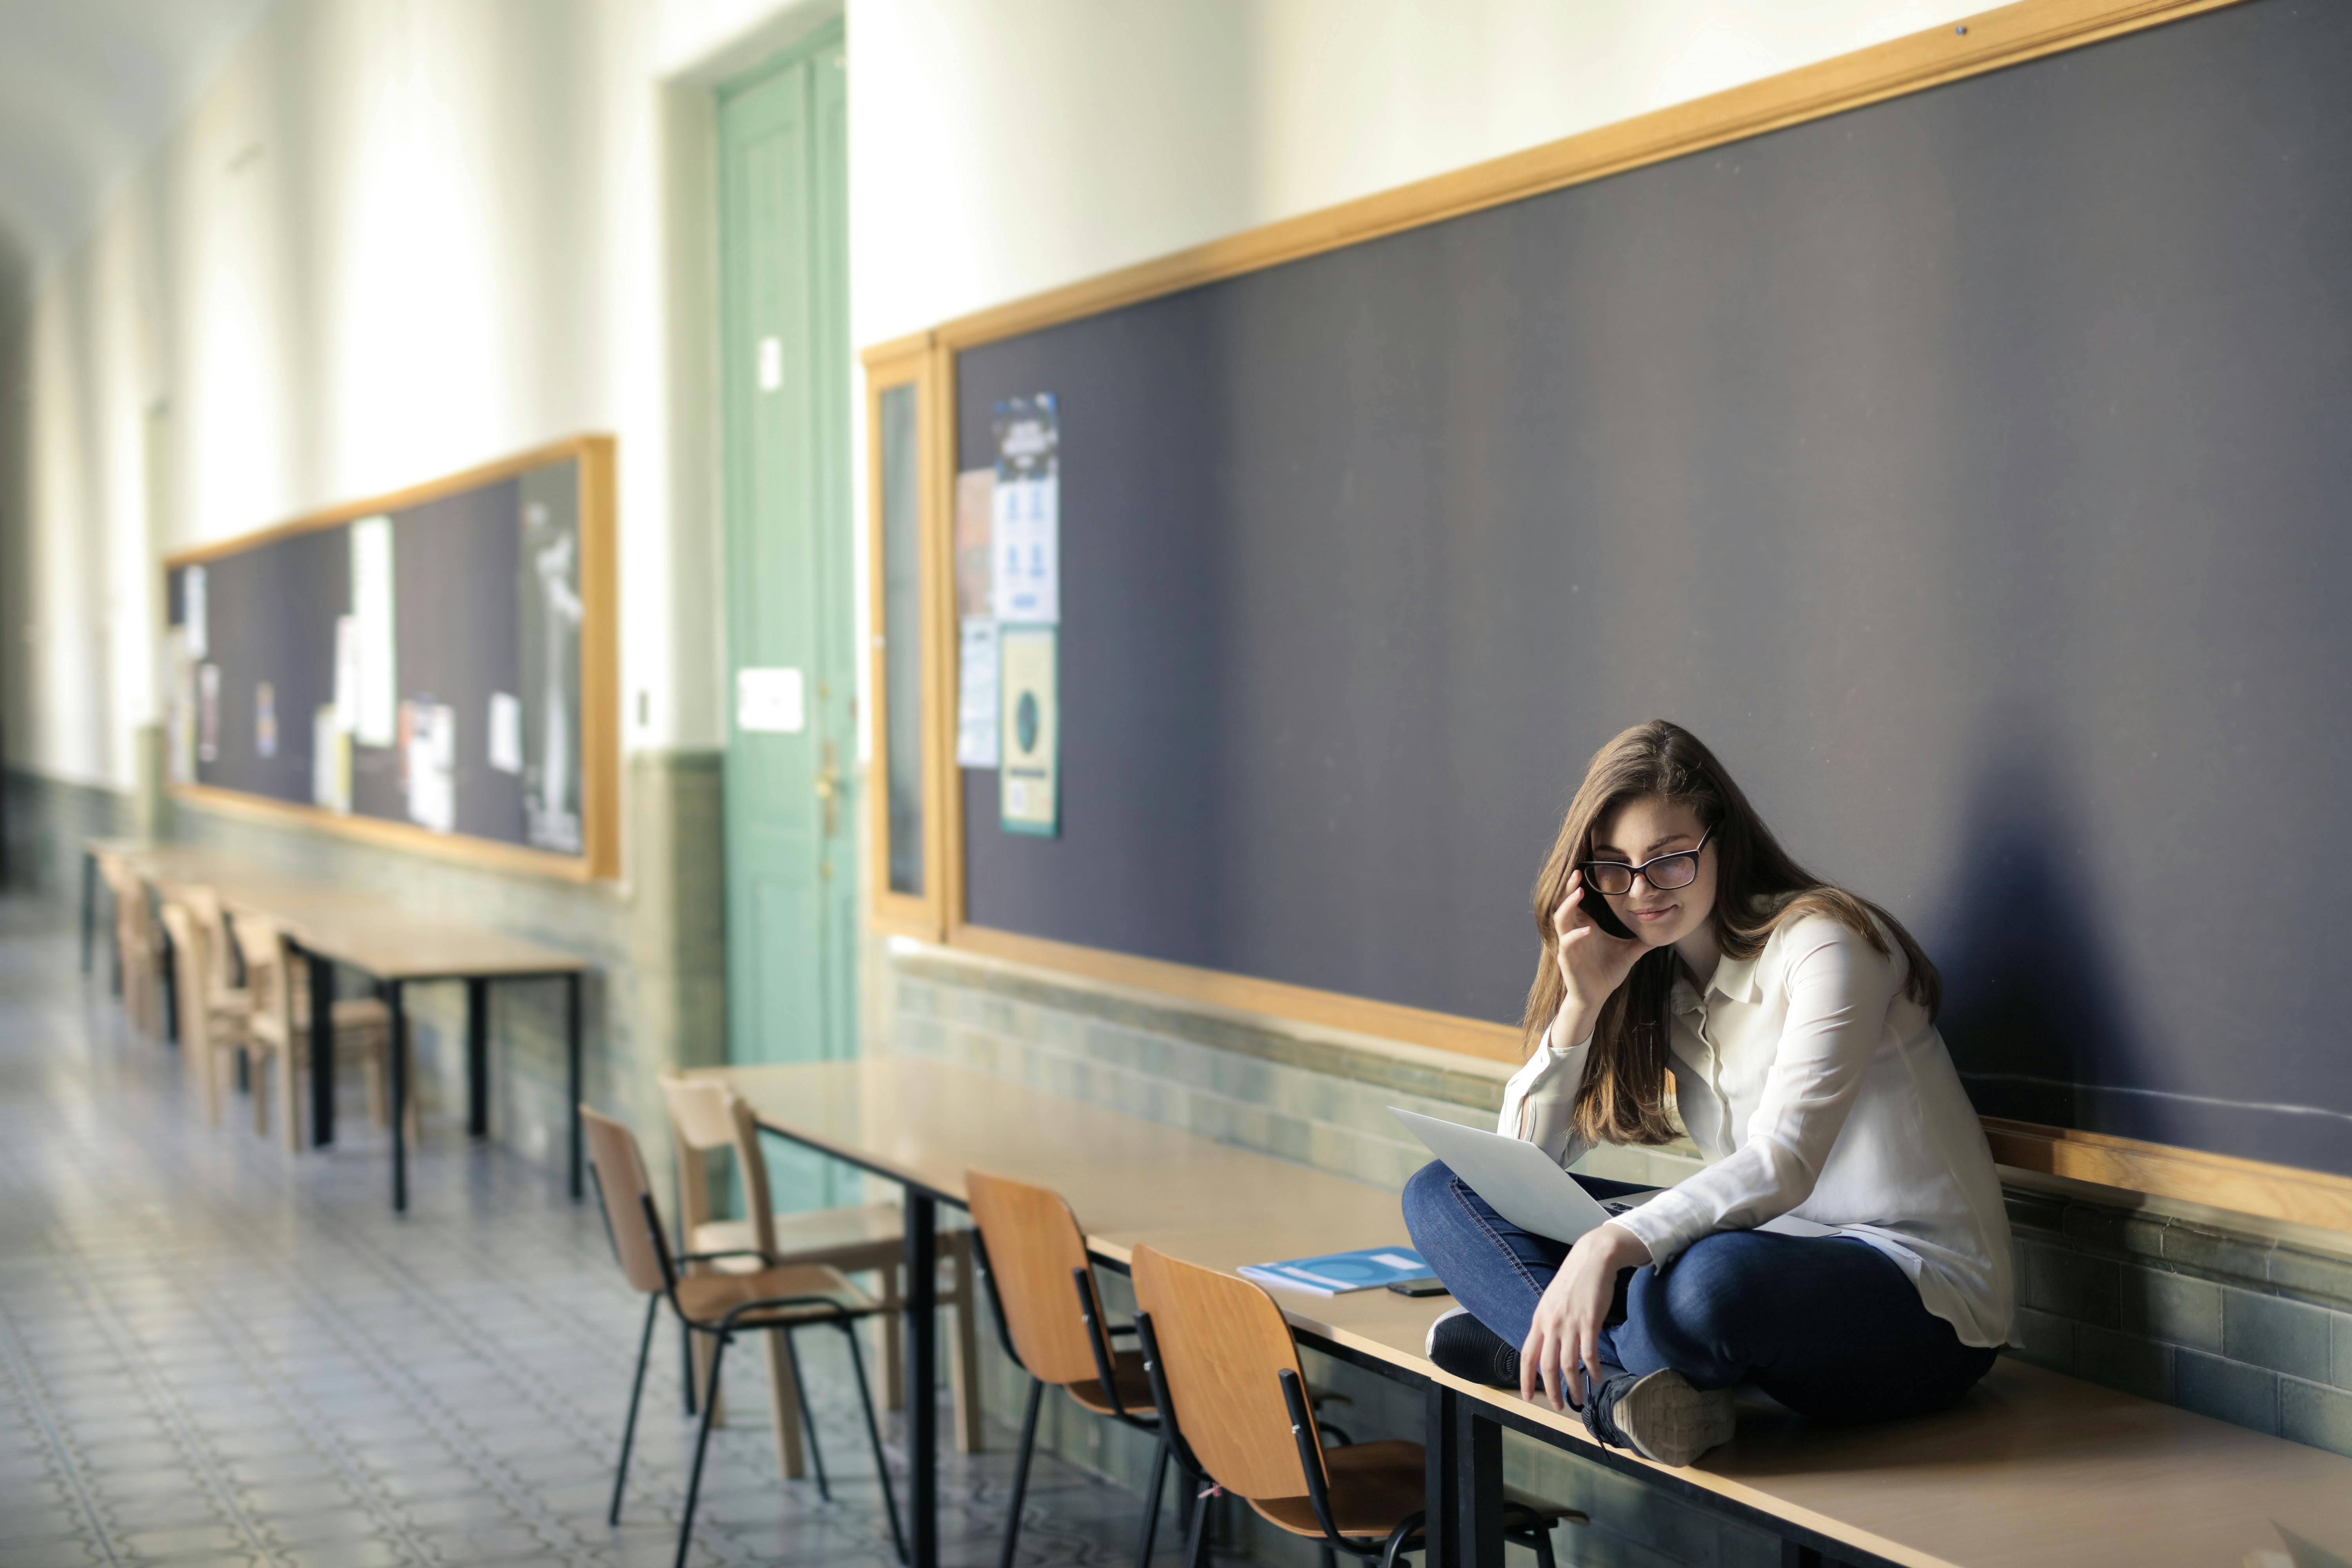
x=1336 y=1273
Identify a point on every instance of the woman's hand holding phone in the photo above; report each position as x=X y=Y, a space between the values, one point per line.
x=1592 y=964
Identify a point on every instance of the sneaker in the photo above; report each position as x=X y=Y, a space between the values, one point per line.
x=1462 y=1345
x=1659 y=1415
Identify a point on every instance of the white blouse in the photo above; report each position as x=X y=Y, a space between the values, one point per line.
x=1814 y=1088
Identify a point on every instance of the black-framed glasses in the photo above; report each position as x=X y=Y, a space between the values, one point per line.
x=1666 y=873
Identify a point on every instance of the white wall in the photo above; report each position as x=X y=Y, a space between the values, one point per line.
x=1000 y=149
x=401 y=236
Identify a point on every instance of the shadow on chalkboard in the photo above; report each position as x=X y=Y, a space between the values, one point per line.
x=2035 y=1011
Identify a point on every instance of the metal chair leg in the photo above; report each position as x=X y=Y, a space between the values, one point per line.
x=1330 y=1558
x=874 y=1433
x=629 y=1427
x=1151 y=1501
x=701 y=1447
x=1401 y=1540
x=1196 y=1540
x=1542 y=1543
x=686 y=1370
x=1021 y=1473
x=808 y=1419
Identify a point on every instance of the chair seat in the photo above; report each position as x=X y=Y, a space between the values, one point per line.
x=1375 y=1487
x=708 y=1297
x=868 y=1235
x=356 y=1018
x=1134 y=1385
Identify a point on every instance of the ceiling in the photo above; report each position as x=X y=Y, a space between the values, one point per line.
x=88 y=87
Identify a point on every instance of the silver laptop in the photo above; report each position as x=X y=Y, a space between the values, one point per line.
x=1528 y=1188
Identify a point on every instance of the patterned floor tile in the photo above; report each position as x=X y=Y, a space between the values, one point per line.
x=211 y=1353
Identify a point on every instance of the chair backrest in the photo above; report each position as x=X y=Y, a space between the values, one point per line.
x=129 y=890
x=624 y=1189
x=1033 y=1242
x=205 y=904
x=191 y=971
x=1223 y=1345
x=268 y=978
x=706 y=1116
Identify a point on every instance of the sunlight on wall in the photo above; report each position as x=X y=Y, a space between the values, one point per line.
x=419 y=383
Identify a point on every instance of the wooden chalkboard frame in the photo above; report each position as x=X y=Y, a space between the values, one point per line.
x=1991 y=42
x=600 y=729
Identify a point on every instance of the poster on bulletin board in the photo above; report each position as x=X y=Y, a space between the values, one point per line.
x=1029 y=785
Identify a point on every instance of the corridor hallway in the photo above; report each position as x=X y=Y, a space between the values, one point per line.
x=213 y=1354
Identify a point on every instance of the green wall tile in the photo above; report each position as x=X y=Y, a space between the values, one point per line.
x=2216 y=1252
x=2036 y=1211
x=2226 y=1389
x=2045 y=1338
x=2174 y=1308
x=2319 y=1416
x=2313 y=1275
x=2119 y=1361
x=2057 y=1279
x=2343 y=1375
x=2281 y=1335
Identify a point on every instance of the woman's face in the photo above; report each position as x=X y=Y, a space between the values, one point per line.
x=1642 y=829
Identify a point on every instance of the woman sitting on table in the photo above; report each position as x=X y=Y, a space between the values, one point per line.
x=1799 y=1022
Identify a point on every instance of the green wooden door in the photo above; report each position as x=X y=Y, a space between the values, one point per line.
x=784 y=262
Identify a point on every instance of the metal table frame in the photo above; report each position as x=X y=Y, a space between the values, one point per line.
x=477 y=1053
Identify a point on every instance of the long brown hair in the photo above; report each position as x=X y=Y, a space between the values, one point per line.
x=1623 y=1096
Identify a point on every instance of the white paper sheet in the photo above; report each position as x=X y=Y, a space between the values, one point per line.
x=194 y=613
x=431 y=765
x=1028 y=550
x=977 y=720
x=375 y=720
x=331 y=762
x=505 y=732
x=771 y=700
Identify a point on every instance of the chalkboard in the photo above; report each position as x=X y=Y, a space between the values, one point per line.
x=487 y=733
x=1971 y=470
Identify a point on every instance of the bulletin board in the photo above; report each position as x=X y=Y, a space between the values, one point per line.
x=1940 y=433
x=434 y=670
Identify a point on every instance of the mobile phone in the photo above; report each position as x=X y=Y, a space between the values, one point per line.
x=1596 y=909
x=1427 y=1285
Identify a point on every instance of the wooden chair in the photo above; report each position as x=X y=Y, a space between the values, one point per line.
x=1050 y=1311
x=708 y=1118
x=227 y=984
x=719 y=1305
x=212 y=1029
x=1227 y=1375
x=138 y=951
x=278 y=1013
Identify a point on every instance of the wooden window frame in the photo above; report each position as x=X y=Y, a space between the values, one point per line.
x=910 y=362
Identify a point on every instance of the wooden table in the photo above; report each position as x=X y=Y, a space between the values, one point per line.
x=397 y=947
x=2032 y=1467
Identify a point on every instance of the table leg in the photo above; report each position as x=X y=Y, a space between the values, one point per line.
x=922 y=1381
x=399 y=1075
x=1442 y=1480
x=1478 y=1488
x=322 y=1050
x=478 y=1057
x=571 y=1027
x=89 y=907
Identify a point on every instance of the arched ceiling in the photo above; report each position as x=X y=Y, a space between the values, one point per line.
x=88 y=87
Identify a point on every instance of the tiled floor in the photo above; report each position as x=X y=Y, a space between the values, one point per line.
x=212 y=1352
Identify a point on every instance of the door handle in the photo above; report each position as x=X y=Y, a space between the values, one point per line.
x=828 y=788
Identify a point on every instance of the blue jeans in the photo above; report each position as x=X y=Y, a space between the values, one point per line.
x=1827 y=1325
